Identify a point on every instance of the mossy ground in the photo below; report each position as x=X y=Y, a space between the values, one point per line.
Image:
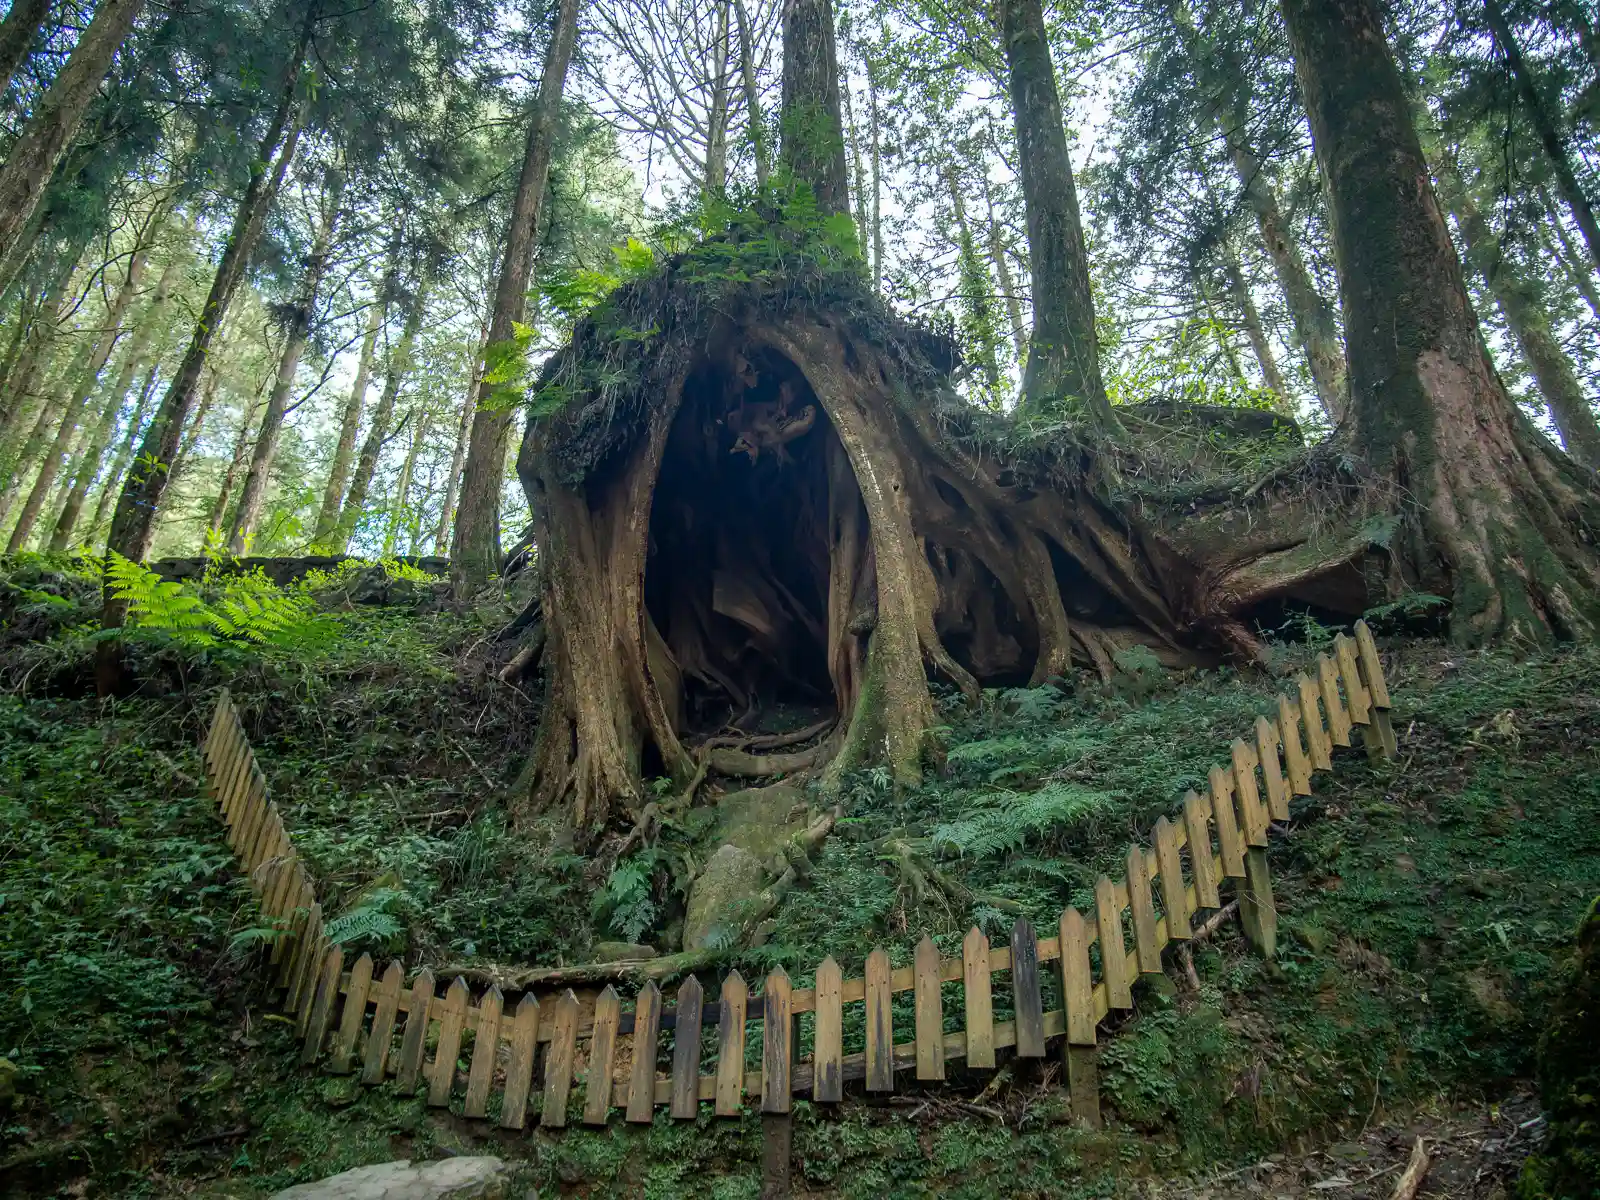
x=1426 y=908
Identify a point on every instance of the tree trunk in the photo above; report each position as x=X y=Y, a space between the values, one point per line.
x=18 y=32
x=344 y=451
x=877 y=182
x=73 y=414
x=752 y=94
x=242 y=441
x=133 y=358
x=1572 y=264
x=858 y=170
x=1493 y=511
x=51 y=406
x=1314 y=325
x=24 y=372
x=398 y=509
x=716 y=178
x=133 y=523
x=252 y=500
x=1064 y=351
x=1544 y=125
x=378 y=435
x=33 y=157
x=476 y=554
x=452 y=483
x=1250 y=318
x=1518 y=300
x=112 y=485
x=811 y=131
x=975 y=282
x=1008 y=281
x=191 y=438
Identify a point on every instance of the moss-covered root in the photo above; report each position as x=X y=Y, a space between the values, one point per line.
x=1568 y=1166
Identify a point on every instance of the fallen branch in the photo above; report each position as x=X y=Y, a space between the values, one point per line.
x=1406 y=1186
x=638 y=970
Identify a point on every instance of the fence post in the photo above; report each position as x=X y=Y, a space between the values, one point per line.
x=1258 y=913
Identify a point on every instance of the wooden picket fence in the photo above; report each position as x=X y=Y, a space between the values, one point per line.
x=385 y=1027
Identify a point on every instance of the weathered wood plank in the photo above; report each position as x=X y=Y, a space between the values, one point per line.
x=1229 y=844
x=1272 y=769
x=1332 y=703
x=1258 y=913
x=1141 y=904
x=828 y=1034
x=452 y=1019
x=350 y=1021
x=322 y=1005
x=1318 y=745
x=414 y=1041
x=1252 y=813
x=387 y=999
x=558 y=1062
x=1196 y=814
x=1077 y=988
x=730 y=1048
x=642 y=1077
x=1355 y=692
x=1026 y=997
x=929 y=1011
x=1083 y=1084
x=1371 y=667
x=979 y=999
x=519 y=1067
x=686 y=1050
x=485 y=1053
x=602 y=1057
x=880 y=1023
x=1113 y=953
x=1174 y=897
x=777 y=1043
x=1296 y=758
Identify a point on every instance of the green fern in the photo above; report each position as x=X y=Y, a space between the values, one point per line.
x=250 y=609
x=159 y=605
x=370 y=920
x=1008 y=820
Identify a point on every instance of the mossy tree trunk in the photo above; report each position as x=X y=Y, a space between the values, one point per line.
x=811 y=131
x=1495 y=516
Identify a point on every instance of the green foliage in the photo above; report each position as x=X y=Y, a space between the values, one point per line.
x=371 y=920
x=247 y=608
x=1006 y=821
x=626 y=904
x=505 y=368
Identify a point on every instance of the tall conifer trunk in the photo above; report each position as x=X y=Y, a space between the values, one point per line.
x=17 y=34
x=476 y=553
x=1494 y=515
x=811 y=128
x=344 y=450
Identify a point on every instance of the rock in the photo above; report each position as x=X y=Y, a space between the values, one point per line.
x=762 y=820
x=730 y=881
x=621 y=952
x=469 y=1178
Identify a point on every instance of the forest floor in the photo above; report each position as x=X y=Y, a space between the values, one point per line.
x=1427 y=909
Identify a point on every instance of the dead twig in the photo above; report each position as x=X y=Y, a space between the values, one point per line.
x=1406 y=1186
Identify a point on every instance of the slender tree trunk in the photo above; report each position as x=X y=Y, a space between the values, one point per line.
x=477 y=542
x=378 y=435
x=858 y=170
x=73 y=414
x=716 y=180
x=112 y=486
x=1518 y=301
x=1494 y=511
x=1544 y=125
x=1064 y=351
x=399 y=509
x=253 y=498
x=191 y=438
x=1567 y=255
x=132 y=359
x=51 y=406
x=18 y=32
x=40 y=331
x=975 y=281
x=344 y=451
x=32 y=160
x=447 y=511
x=1008 y=281
x=1250 y=318
x=133 y=524
x=1314 y=324
x=812 y=132
x=243 y=440
x=752 y=94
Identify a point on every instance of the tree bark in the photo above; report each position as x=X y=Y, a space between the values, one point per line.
x=476 y=554
x=1314 y=325
x=1064 y=350
x=18 y=32
x=398 y=509
x=980 y=306
x=112 y=485
x=89 y=464
x=24 y=374
x=877 y=181
x=1518 y=300
x=1250 y=318
x=252 y=500
x=811 y=130
x=32 y=160
x=72 y=416
x=133 y=523
x=716 y=177
x=197 y=426
x=752 y=95
x=1492 y=512
x=858 y=170
x=242 y=441
x=344 y=450
x=1544 y=125
x=452 y=483
x=399 y=363
x=1008 y=281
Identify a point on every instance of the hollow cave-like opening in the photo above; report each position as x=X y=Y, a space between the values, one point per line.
x=736 y=578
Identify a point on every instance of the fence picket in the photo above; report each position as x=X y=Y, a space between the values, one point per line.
x=1026 y=998
x=1317 y=744
x=355 y=1011
x=519 y=1069
x=880 y=1023
x=1077 y=989
x=413 y=1043
x=827 y=1055
x=1272 y=770
x=1381 y=742
x=979 y=999
x=730 y=1046
x=1296 y=758
x=485 y=1053
x=777 y=1042
x=1113 y=954
x=1196 y=815
x=686 y=1050
x=1355 y=692
x=602 y=1056
x=558 y=1062
x=1328 y=684
x=452 y=1019
x=387 y=996
x=1229 y=844
x=1146 y=947
x=642 y=1080
x=1174 y=899
x=322 y=1006
x=1252 y=815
